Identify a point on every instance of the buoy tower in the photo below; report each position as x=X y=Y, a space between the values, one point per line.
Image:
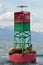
x=22 y=38
x=22 y=33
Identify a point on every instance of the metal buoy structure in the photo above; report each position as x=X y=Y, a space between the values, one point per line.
x=22 y=51
x=22 y=33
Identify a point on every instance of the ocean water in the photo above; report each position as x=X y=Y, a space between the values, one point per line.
x=5 y=46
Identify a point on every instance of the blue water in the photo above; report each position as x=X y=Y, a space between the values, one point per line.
x=5 y=46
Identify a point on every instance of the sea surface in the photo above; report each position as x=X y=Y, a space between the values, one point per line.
x=6 y=45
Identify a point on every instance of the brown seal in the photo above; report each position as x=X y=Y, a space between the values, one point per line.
x=27 y=51
x=14 y=50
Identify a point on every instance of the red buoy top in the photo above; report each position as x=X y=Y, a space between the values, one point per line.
x=22 y=16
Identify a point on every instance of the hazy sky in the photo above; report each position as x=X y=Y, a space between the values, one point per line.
x=8 y=7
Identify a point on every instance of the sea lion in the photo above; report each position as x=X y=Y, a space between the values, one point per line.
x=33 y=51
x=27 y=51
x=14 y=50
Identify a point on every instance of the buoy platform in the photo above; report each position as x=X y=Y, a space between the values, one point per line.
x=15 y=55
x=22 y=58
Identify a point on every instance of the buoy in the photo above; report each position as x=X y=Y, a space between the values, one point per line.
x=22 y=39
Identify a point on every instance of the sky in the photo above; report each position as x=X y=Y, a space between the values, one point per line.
x=35 y=7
